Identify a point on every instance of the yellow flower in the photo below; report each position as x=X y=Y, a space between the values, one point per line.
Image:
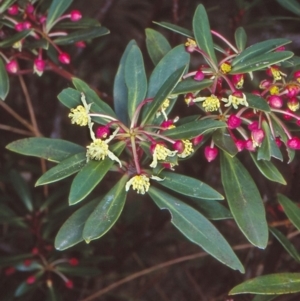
x=277 y=74
x=190 y=45
x=79 y=115
x=162 y=109
x=293 y=105
x=140 y=183
x=225 y=68
x=188 y=149
x=274 y=90
x=210 y=104
x=161 y=153
x=235 y=100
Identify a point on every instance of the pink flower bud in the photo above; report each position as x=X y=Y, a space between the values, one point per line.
x=13 y=10
x=29 y=8
x=26 y=25
x=42 y=19
x=189 y=99
x=167 y=123
x=179 y=146
x=280 y=48
x=275 y=101
x=256 y=92
x=287 y=116
x=9 y=271
x=293 y=104
x=197 y=140
x=265 y=84
x=69 y=284
x=64 y=58
x=240 y=145
x=27 y=262
x=297 y=75
x=12 y=67
x=31 y=279
x=199 y=76
x=293 y=143
x=73 y=261
x=253 y=126
x=249 y=145
x=102 y=132
x=210 y=153
x=35 y=251
x=19 y=27
x=80 y=44
x=292 y=90
x=75 y=15
x=39 y=66
x=234 y=121
x=238 y=80
x=258 y=136
x=278 y=141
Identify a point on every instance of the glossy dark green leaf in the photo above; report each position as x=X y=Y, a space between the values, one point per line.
x=264 y=298
x=224 y=141
x=70 y=98
x=261 y=61
x=157 y=45
x=91 y=175
x=269 y=170
x=289 y=247
x=194 y=128
x=63 y=169
x=24 y=288
x=15 y=38
x=120 y=90
x=135 y=79
x=189 y=186
x=196 y=228
x=244 y=200
x=212 y=210
x=190 y=85
x=202 y=33
x=107 y=212
x=4 y=81
x=292 y=62
x=291 y=209
x=57 y=8
x=176 y=28
x=280 y=283
x=82 y=35
x=70 y=232
x=240 y=38
x=291 y=5
x=22 y=189
x=259 y=49
x=257 y=102
x=50 y=149
x=162 y=94
x=6 y=4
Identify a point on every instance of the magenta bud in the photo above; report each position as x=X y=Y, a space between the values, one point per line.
x=240 y=145
x=167 y=123
x=210 y=153
x=31 y=279
x=199 y=76
x=256 y=92
x=189 y=99
x=278 y=141
x=297 y=75
x=258 y=136
x=69 y=284
x=293 y=104
x=197 y=140
x=287 y=116
x=249 y=145
x=12 y=67
x=75 y=15
x=80 y=44
x=26 y=25
x=64 y=58
x=265 y=84
x=238 y=80
x=179 y=146
x=293 y=143
x=275 y=101
x=102 y=132
x=42 y=19
x=13 y=10
x=253 y=126
x=29 y=8
x=39 y=65
x=280 y=48
x=19 y=27
x=292 y=90
x=234 y=121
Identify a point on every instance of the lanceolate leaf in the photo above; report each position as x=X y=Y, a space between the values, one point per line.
x=202 y=33
x=190 y=85
x=291 y=5
x=244 y=200
x=289 y=247
x=57 y=8
x=281 y=283
x=196 y=228
x=257 y=102
x=240 y=38
x=50 y=149
x=157 y=45
x=264 y=298
x=189 y=186
x=63 y=169
x=194 y=128
x=223 y=140
x=92 y=174
x=15 y=38
x=135 y=78
x=70 y=232
x=4 y=81
x=106 y=213
x=176 y=28
x=290 y=209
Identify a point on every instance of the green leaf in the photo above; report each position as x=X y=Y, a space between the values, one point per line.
x=70 y=98
x=260 y=62
x=202 y=33
x=21 y=188
x=176 y=28
x=269 y=170
x=82 y=35
x=291 y=5
x=6 y=4
x=55 y=150
x=280 y=283
x=92 y=174
x=224 y=141
x=63 y=169
x=257 y=102
x=157 y=45
x=259 y=49
x=70 y=232
x=264 y=298
x=84 y=22
x=57 y=8
x=194 y=128
x=120 y=90
x=240 y=38
x=190 y=85
x=4 y=81
x=196 y=228
x=244 y=201
x=162 y=94
x=107 y=212
x=289 y=247
x=15 y=38
x=290 y=209
x=189 y=186
x=135 y=78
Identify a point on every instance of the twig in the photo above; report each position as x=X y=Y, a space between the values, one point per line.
x=15 y=130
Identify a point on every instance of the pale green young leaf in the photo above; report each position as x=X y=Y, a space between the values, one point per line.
x=240 y=38
x=4 y=81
